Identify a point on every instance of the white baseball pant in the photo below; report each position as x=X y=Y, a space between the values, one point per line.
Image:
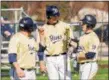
x=29 y=75
x=56 y=67
x=88 y=70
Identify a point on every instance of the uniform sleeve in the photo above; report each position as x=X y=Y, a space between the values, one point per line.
x=93 y=48
x=13 y=45
x=93 y=45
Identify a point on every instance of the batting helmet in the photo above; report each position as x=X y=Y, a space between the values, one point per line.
x=89 y=20
x=26 y=24
x=52 y=11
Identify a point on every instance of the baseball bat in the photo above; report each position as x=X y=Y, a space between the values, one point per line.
x=67 y=43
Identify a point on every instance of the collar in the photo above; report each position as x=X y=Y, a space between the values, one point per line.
x=89 y=32
x=53 y=23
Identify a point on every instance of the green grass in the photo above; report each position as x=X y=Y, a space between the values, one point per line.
x=103 y=62
x=102 y=73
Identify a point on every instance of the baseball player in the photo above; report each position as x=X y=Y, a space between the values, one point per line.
x=22 y=51
x=55 y=34
x=88 y=49
x=6 y=29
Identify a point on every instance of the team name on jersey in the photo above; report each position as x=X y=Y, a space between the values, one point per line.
x=31 y=48
x=55 y=38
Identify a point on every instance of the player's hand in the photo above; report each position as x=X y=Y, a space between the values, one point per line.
x=7 y=33
x=43 y=67
x=81 y=57
x=20 y=73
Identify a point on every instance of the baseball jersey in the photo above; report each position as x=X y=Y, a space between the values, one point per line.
x=56 y=37
x=25 y=48
x=88 y=43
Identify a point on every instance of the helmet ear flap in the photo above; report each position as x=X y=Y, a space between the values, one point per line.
x=91 y=25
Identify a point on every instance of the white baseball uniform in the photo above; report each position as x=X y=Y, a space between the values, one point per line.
x=88 y=67
x=25 y=48
x=56 y=50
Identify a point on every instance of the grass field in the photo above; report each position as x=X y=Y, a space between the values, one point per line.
x=102 y=73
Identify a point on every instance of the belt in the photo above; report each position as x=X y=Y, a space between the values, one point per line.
x=87 y=62
x=84 y=62
x=30 y=69
x=56 y=55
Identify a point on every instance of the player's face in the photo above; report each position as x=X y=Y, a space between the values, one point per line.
x=84 y=27
x=53 y=19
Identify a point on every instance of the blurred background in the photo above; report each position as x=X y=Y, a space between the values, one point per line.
x=70 y=12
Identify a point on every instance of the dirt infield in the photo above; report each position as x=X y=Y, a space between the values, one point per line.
x=103 y=65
